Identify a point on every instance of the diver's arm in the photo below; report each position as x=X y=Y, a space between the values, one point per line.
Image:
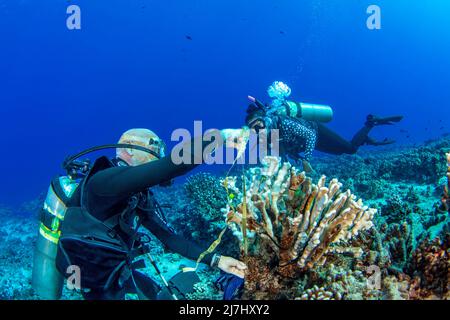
x=310 y=146
x=173 y=241
x=304 y=136
x=122 y=182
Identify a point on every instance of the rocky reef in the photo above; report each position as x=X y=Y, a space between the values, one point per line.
x=371 y=173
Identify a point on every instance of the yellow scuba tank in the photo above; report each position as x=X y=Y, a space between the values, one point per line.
x=46 y=279
x=309 y=111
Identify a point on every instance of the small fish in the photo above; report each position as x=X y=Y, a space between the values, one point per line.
x=403 y=131
x=282 y=32
x=188 y=37
x=441 y=128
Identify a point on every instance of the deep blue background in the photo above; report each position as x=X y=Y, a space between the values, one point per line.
x=131 y=65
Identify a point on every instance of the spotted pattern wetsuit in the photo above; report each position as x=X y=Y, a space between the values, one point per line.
x=297 y=135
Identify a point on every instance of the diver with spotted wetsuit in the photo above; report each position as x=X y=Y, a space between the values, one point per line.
x=302 y=130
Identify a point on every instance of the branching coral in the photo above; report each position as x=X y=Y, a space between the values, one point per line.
x=295 y=223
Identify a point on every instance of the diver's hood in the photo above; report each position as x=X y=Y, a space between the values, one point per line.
x=258 y=113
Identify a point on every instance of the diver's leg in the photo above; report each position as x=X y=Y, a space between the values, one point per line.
x=362 y=136
x=330 y=142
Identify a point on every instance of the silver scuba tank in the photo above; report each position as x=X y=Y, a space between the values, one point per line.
x=46 y=279
x=311 y=112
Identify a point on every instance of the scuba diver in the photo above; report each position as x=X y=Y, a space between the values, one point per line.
x=91 y=218
x=301 y=126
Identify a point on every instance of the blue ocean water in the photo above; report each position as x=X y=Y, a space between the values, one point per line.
x=163 y=64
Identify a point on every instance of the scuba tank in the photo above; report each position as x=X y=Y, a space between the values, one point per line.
x=46 y=280
x=309 y=111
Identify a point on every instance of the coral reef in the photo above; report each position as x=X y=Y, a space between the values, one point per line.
x=370 y=174
x=431 y=267
x=446 y=196
x=196 y=213
x=196 y=209
x=341 y=284
x=296 y=224
x=18 y=235
x=293 y=244
x=206 y=197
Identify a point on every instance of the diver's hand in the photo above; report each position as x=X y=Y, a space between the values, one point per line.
x=257 y=103
x=236 y=138
x=232 y=266
x=307 y=167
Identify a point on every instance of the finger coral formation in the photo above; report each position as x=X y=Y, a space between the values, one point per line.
x=294 y=223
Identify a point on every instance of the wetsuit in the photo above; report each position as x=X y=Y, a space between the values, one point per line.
x=297 y=135
x=109 y=191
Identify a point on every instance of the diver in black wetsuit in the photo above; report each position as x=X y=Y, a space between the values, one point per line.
x=112 y=202
x=298 y=134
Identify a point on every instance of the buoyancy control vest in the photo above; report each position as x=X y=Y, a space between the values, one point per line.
x=102 y=251
x=47 y=278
